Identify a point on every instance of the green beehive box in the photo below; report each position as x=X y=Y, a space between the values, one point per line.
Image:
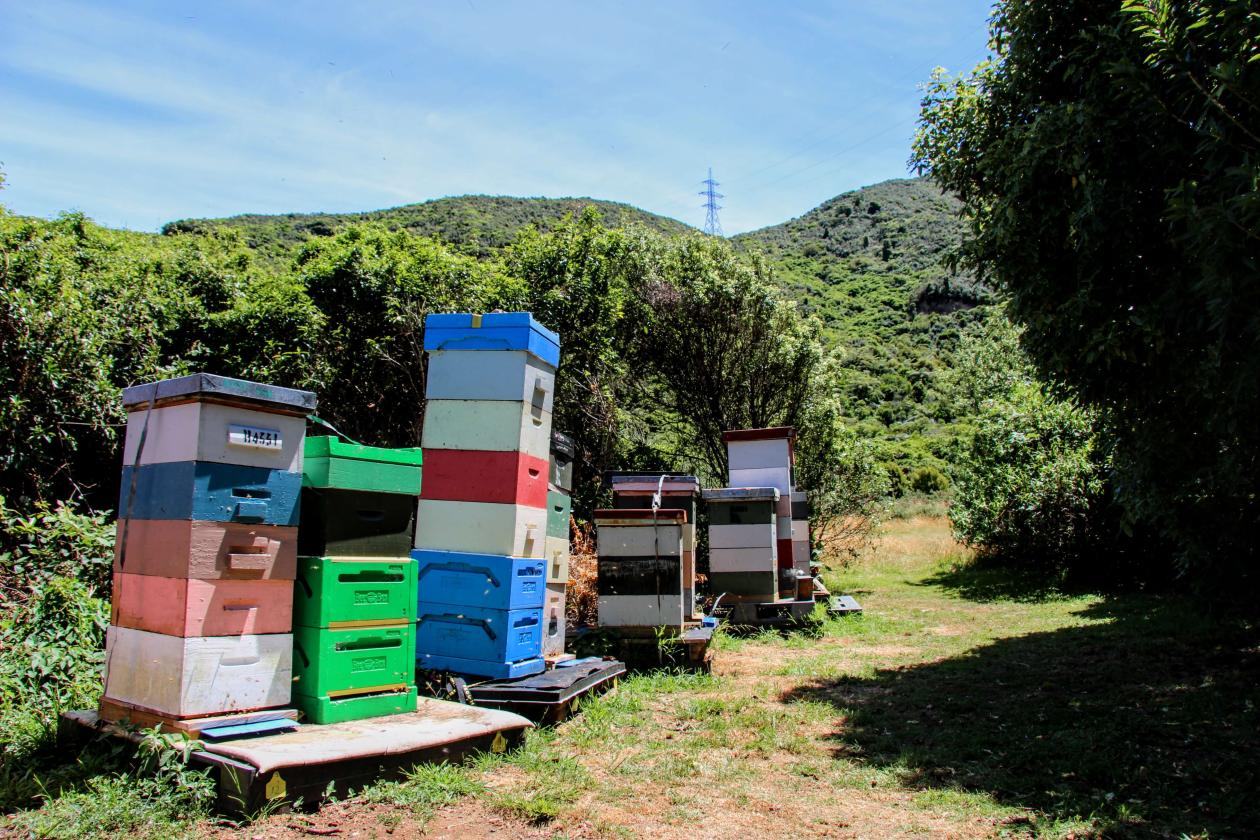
x=334 y=661
x=329 y=462
x=355 y=706
x=559 y=506
x=336 y=590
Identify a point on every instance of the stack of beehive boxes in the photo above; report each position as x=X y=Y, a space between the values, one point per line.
x=636 y=490
x=354 y=602
x=207 y=535
x=743 y=543
x=483 y=513
x=764 y=458
x=640 y=581
x=801 y=553
x=556 y=548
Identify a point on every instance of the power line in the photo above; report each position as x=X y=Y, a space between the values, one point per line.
x=712 y=226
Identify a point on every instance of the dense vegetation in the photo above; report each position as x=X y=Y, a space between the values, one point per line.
x=1107 y=159
x=871 y=265
x=479 y=225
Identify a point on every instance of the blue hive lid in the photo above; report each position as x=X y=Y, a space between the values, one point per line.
x=491 y=331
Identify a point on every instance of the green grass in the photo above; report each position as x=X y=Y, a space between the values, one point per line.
x=964 y=699
x=979 y=697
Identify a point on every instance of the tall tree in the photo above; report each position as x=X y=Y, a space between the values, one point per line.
x=1108 y=157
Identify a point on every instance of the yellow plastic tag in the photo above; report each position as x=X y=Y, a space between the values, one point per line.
x=499 y=744
x=276 y=788
x=476 y=321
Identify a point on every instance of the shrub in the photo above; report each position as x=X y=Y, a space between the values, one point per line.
x=928 y=480
x=1031 y=488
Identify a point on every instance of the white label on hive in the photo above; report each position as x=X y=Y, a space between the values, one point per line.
x=254 y=437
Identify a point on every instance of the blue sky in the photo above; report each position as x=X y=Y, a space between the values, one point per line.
x=139 y=113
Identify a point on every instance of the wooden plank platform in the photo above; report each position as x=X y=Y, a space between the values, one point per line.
x=301 y=764
x=549 y=697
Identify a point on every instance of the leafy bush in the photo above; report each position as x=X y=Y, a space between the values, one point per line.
x=50 y=661
x=928 y=480
x=54 y=541
x=1031 y=487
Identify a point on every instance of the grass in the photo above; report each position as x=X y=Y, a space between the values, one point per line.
x=964 y=702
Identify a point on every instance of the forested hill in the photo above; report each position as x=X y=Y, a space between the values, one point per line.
x=871 y=265
x=478 y=225
x=870 y=259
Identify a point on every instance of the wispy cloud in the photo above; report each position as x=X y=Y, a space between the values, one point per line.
x=139 y=115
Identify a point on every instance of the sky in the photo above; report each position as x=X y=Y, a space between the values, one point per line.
x=139 y=113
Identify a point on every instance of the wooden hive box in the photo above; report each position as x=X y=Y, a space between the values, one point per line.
x=487 y=425
x=210 y=492
x=511 y=478
x=196 y=676
x=751 y=449
x=481 y=528
x=510 y=331
x=216 y=432
x=556 y=554
x=563 y=454
x=176 y=548
x=190 y=607
x=344 y=591
x=356 y=523
x=479 y=640
x=480 y=580
x=338 y=661
x=640 y=580
x=508 y=376
x=333 y=463
x=554 y=621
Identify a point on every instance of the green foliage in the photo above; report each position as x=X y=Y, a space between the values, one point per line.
x=426 y=787
x=372 y=289
x=729 y=350
x=871 y=266
x=53 y=542
x=162 y=796
x=1033 y=482
x=1132 y=268
x=577 y=279
x=50 y=659
x=478 y=225
x=928 y=480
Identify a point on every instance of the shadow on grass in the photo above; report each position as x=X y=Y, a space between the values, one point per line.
x=1147 y=723
x=982 y=582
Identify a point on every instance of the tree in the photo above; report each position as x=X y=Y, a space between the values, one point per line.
x=374 y=288
x=728 y=349
x=1107 y=158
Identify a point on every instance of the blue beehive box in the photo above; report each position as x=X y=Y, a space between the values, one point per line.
x=480 y=641
x=492 y=581
x=210 y=492
x=492 y=331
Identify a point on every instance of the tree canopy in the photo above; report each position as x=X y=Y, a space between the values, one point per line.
x=1107 y=158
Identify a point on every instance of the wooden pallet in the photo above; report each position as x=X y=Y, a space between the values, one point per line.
x=301 y=765
x=112 y=711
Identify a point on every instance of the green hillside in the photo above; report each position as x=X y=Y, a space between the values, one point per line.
x=478 y=225
x=871 y=265
x=868 y=263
